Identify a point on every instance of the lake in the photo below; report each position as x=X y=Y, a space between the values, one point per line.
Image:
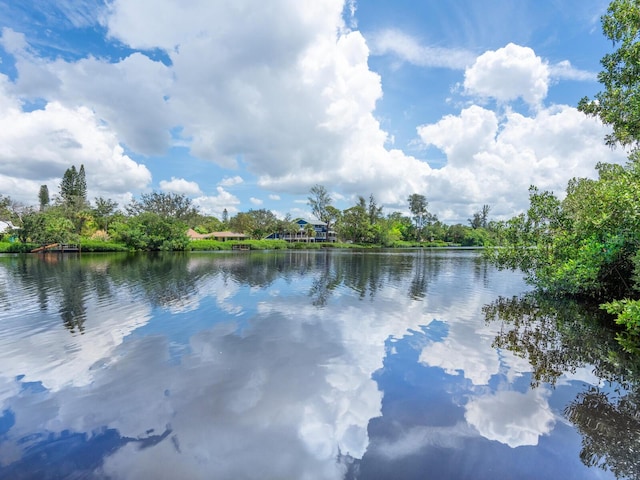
x=304 y=365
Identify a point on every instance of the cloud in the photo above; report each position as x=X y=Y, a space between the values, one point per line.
x=181 y=186
x=565 y=71
x=41 y=144
x=508 y=73
x=231 y=181
x=299 y=108
x=274 y=197
x=511 y=152
x=216 y=204
x=256 y=201
x=408 y=49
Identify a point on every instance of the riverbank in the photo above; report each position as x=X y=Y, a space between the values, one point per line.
x=212 y=245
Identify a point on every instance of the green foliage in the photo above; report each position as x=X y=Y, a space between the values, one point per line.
x=88 y=245
x=354 y=224
x=43 y=197
x=320 y=202
x=208 y=245
x=619 y=104
x=586 y=245
x=103 y=212
x=165 y=205
x=627 y=314
x=17 y=247
x=255 y=223
x=73 y=188
x=151 y=231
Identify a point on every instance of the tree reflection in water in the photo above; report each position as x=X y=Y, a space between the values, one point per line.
x=610 y=429
x=559 y=336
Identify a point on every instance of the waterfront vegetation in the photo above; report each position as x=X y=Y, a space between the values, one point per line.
x=160 y=221
x=587 y=245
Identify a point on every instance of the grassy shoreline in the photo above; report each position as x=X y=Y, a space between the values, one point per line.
x=212 y=245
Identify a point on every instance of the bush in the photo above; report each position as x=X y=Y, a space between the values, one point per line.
x=17 y=247
x=209 y=245
x=102 y=246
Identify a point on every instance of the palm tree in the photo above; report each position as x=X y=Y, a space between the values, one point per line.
x=309 y=231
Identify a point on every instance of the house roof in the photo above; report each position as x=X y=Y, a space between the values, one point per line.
x=312 y=222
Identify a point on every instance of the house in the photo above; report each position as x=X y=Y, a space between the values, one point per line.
x=219 y=236
x=321 y=232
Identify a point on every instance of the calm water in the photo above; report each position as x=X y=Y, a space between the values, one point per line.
x=303 y=365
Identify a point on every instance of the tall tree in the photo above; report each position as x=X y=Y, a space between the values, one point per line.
x=81 y=184
x=319 y=201
x=375 y=211
x=43 y=197
x=480 y=218
x=73 y=188
x=418 y=207
x=619 y=104
x=68 y=184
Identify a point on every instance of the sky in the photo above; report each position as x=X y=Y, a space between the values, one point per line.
x=248 y=104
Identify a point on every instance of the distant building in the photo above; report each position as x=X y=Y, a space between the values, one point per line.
x=321 y=232
x=219 y=236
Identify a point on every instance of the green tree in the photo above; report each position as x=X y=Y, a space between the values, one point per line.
x=151 y=231
x=103 y=212
x=618 y=104
x=81 y=184
x=167 y=205
x=480 y=219
x=320 y=201
x=354 y=225
x=255 y=223
x=309 y=232
x=332 y=218
x=208 y=224
x=421 y=217
x=43 y=197
x=67 y=185
x=375 y=211
x=73 y=188
x=587 y=245
x=47 y=227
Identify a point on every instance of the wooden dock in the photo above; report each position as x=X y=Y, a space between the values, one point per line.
x=241 y=246
x=58 y=248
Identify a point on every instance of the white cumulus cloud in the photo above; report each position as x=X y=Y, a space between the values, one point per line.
x=509 y=73
x=231 y=181
x=216 y=204
x=39 y=145
x=181 y=186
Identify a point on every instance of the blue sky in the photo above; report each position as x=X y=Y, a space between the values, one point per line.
x=249 y=104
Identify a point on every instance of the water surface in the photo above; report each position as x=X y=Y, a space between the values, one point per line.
x=295 y=365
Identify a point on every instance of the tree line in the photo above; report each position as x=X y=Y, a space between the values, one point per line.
x=159 y=221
